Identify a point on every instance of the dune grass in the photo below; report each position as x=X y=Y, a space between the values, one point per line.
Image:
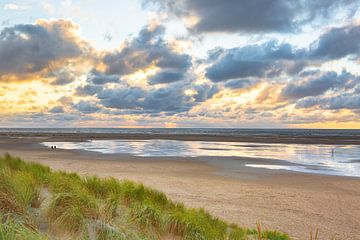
x=38 y=203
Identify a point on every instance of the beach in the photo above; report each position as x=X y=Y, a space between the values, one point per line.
x=296 y=203
x=180 y=119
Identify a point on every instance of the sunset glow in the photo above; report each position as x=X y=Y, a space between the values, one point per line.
x=147 y=64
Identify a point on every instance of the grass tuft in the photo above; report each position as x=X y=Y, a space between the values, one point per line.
x=18 y=191
x=70 y=211
x=36 y=203
x=11 y=230
x=148 y=217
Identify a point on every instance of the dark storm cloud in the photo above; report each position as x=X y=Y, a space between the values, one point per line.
x=268 y=59
x=252 y=15
x=317 y=85
x=30 y=48
x=148 y=49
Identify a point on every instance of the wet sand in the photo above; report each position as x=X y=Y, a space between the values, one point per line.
x=292 y=202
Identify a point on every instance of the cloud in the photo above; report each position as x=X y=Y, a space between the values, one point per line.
x=121 y=97
x=135 y=98
x=173 y=99
x=88 y=90
x=99 y=78
x=345 y=94
x=46 y=119
x=271 y=59
x=316 y=85
x=252 y=16
x=62 y=76
x=239 y=83
x=146 y=50
x=57 y=109
x=149 y=79
x=341 y=101
x=14 y=7
x=167 y=99
x=170 y=98
x=267 y=59
x=166 y=76
x=65 y=100
x=5 y=22
x=86 y=107
x=31 y=48
x=337 y=43
x=248 y=16
x=166 y=87
x=204 y=92
x=348 y=101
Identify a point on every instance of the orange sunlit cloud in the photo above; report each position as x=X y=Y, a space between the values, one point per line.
x=197 y=68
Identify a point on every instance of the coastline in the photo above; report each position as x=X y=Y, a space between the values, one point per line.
x=82 y=136
x=286 y=201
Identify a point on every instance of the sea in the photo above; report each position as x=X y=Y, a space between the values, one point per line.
x=236 y=132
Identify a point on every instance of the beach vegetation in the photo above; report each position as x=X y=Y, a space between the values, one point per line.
x=38 y=203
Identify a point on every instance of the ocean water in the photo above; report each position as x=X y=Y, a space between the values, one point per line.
x=341 y=160
x=199 y=131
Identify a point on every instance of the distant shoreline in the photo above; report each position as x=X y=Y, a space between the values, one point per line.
x=311 y=139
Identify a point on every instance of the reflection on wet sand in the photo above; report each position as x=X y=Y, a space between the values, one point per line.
x=324 y=159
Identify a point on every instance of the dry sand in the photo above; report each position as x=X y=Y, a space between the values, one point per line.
x=287 y=201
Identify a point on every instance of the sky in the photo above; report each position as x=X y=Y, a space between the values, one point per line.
x=180 y=63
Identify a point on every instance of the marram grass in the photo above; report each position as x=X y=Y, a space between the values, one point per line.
x=38 y=203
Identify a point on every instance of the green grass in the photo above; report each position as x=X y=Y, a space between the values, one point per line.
x=10 y=229
x=38 y=203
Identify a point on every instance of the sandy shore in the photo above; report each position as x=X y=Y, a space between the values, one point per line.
x=286 y=201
